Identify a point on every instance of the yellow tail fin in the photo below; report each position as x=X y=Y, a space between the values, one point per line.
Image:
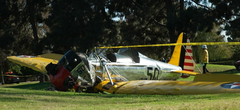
x=179 y=52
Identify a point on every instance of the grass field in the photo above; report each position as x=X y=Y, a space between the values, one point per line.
x=33 y=95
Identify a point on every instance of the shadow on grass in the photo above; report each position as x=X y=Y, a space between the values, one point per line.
x=41 y=87
x=30 y=86
x=231 y=71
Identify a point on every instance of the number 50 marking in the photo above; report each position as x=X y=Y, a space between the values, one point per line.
x=80 y=69
x=153 y=76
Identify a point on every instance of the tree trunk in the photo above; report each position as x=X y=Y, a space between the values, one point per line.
x=30 y=5
x=35 y=49
x=2 y=77
x=171 y=17
x=181 y=5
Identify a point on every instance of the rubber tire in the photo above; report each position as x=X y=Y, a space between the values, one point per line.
x=238 y=67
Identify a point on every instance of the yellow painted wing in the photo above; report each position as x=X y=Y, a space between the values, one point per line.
x=37 y=63
x=168 y=87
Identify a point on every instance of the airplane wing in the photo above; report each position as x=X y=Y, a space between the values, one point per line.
x=37 y=63
x=164 y=87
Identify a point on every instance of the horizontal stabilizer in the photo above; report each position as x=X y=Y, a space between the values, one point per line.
x=186 y=72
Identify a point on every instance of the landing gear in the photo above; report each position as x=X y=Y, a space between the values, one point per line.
x=238 y=67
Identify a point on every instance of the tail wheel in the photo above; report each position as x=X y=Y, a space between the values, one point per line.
x=185 y=75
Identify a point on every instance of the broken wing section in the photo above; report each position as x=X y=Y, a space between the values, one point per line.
x=36 y=63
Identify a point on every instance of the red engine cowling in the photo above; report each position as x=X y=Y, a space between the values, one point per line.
x=61 y=78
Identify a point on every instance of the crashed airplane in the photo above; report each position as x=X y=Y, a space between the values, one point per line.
x=125 y=72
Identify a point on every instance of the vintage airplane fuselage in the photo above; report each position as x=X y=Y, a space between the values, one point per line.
x=144 y=69
x=74 y=69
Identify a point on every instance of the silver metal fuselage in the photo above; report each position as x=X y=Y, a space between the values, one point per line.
x=145 y=69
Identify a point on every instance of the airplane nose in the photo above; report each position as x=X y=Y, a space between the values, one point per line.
x=69 y=82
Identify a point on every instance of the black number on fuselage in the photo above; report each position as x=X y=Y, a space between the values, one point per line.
x=81 y=69
x=156 y=73
x=148 y=73
x=153 y=76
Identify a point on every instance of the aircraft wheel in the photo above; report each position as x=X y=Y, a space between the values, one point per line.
x=79 y=89
x=69 y=82
x=238 y=67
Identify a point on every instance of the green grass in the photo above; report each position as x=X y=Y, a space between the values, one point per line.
x=24 y=97
x=33 y=95
x=214 y=69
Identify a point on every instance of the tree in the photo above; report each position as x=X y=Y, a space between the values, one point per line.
x=216 y=52
x=227 y=13
x=78 y=25
x=30 y=26
x=19 y=22
x=150 y=22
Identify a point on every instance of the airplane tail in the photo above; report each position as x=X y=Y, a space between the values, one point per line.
x=182 y=55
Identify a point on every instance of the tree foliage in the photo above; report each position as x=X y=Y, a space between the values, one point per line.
x=79 y=25
x=32 y=26
x=216 y=52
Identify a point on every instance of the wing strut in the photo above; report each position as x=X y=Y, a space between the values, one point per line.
x=104 y=64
